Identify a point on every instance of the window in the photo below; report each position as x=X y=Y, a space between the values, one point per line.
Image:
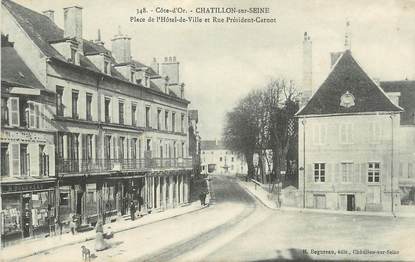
x=410 y=171
x=107 y=147
x=121 y=112
x=147 y=116
x=158 y=119
x=121 y=148
x=232 y=159
x=88 y=106
x=4 y=159
x=166 y=119
x=107 y=110
x=173 y=122
x=134 y=114
x=183 y=150
x=24 y=160
x=133 y=148
x=59 y=104
x=60 y=146
x=148 y=145
x=346 y=133
x=347 y=172
x=319 y=172
x=37 y=115
x=106 y=67
x=375 y=131
x=319 y=134
x=220 y=159
x=182 y=124
x=43 y=161
x=132 y=77
x=4 y=112
x=373 y=175
x=64 y=199
x=73 y=55
x=86 y=146
x=75 y=95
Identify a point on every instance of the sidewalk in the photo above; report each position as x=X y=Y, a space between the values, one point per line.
x=263 y=196
x=33 y=247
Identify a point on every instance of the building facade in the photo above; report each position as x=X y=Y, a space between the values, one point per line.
x=27 y=149
x=348 y=139
x=120 y=129
x=217 y=159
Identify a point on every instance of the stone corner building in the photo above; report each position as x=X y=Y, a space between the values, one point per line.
x=349 y=143
x=88 y=130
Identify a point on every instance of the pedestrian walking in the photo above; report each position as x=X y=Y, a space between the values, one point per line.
x=132 y=210
x=72 y=224
x=100 y=243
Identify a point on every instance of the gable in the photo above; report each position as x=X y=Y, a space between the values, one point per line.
x=348 y=90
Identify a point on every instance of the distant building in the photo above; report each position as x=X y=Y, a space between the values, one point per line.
x=217 y=159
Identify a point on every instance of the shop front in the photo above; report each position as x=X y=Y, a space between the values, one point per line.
x=28 y=210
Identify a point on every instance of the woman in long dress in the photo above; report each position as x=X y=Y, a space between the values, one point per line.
x=100 y=243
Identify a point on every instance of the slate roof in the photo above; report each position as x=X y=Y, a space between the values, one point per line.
x=14 y=71
x=212 y=145
x=406 y=100
x=348 y=76
x=43 y=32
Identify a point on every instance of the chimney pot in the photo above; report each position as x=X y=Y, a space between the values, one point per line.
x=50 y=13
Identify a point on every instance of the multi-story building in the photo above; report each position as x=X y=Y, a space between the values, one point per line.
x=347 y=142
x=27 y=149
x=217 y=159
x=121 y=126
x=194 y=140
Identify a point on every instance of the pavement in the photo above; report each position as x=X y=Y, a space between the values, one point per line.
x=263 y=196
x=36 y=246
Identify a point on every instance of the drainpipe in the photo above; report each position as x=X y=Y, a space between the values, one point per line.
x=392 y=202
x=303 y=122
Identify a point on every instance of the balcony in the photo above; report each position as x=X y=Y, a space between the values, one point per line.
x=73 y=166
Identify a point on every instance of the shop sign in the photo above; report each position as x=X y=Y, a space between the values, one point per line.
x=24 y=187
x=25 y=137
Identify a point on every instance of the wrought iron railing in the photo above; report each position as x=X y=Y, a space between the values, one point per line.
x=103 y=165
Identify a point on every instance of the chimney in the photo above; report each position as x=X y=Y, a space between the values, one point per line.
x=307 y=67
x=155 y=65
x=170 y=68
x=50 y=13
x=334 y=56
x=348 y=37
x=98 y=41
x=73 y=22
x=121 y=47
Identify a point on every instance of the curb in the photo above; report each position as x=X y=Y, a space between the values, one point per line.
x=93 y=237
x=311 y=210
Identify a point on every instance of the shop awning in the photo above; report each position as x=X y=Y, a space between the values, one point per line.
x=25 y=91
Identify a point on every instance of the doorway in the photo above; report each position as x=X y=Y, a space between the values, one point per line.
x=350 y=203
x=320 y=201
x=26 y=215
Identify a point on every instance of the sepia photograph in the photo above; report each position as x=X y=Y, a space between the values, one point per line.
x=207 y=130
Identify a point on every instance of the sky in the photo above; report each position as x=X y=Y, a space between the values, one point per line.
x=220 y=63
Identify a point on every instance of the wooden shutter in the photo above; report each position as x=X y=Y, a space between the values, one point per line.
x=337 y=176
x=363 y=173
x=15 y=148
x=13 y=105
x=328 y=172
x=32 y=115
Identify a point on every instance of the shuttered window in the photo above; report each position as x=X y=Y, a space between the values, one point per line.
x=16 y=159
x=14 y=111
x=319 y=172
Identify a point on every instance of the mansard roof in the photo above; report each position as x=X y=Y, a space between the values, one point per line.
x=348 y=79
x=42 y=31
x=14 y=71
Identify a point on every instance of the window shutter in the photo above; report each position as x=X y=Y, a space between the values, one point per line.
x=37 y=115
x=13 y=105
x=127 y=147
x=328 y=172
x=336 y=175
x=15 y=159
x=309 y=174
x=114 y=143
x=363 y=172
x=84 y=147
x=31 y=114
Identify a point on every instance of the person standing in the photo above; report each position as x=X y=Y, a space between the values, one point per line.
x=72 y=224
x=100 y=243
x=132 y=210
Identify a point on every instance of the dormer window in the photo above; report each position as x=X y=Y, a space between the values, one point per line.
x=106 y=64
x=73 y=55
